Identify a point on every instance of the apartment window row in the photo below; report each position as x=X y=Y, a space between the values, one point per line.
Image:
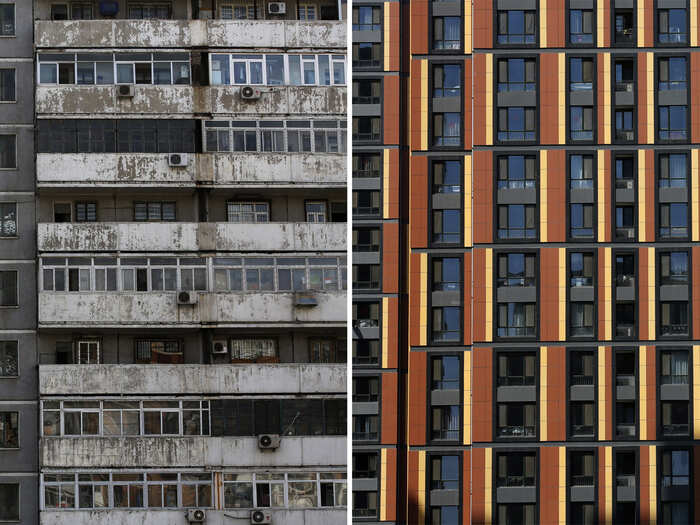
x=293 y=136
x=174 y=490
x=290 y=417
x=170 y=68
x=142 y=274
x=276 y=70
x=84 y=11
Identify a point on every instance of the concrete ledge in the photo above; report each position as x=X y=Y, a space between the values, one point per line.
x=191 y=33
x=177 y=517
x=191 y=379
x=194 y=451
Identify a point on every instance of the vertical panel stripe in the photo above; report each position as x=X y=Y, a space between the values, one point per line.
x=421 y=487
x=562 y=294
x=386 y=182
x=562 y=98
x=467 y=400
x=543 y=196
x=543 y=393
x=488 y=124
x=562 y=485
x=543 y=23
x=652 y=486
x=643 y=393
x=640 y=23
x=695 y=194
x=650 y=98
x=488 y=472
x=488 y=285
x=601 y=196
x=602 y=416
x=693 y=23
x=608 y=486
x=387 y=36
x=382 y=489
x=651 y=286
x=423 y=299
x=423 y=104
x=467 y=201
x=385 y=332
x=608 y=294
x=467 y=27
x=641 y=194
x=600 y=18
x=696 y=391
x=606 y=98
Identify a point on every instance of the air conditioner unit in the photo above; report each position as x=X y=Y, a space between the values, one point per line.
x=177 y=159
x=187 y=297
x=125 y=91
x=196 y=515
x=260 y=516
x=269 y=441
x=277 y=8
x=219 y=346
x=630 y=234
x=250 y=93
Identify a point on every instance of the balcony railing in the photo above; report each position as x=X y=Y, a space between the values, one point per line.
x=582 y=380
x=582 y=480
x=515 y=481
x=517 y=431
x=516 y=380
x=676 y=429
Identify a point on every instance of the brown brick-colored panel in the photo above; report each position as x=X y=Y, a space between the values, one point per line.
x=483 y=24
x=414 y=299
x=466 y=486
x=478 y=487
x=482 y=181
x=644 y=488
x=479 y=292
x=601 y=292
x=642 y=98
x=394 y=183
x=417 y=397
x=482 y=394
x=602 y=81
x=414 y=467
x=695 y=307
x=390 y=257
x=651 y=392
x=420 y=17
x=390 y=392
x=696 y=473
x=556 y=393
x=391 y=109
x=392 y=333
x=607 y=40
x=479 y=99
x=648 y=23
x=556 y=23
x=468 y=103
x=549 y=485
x=549 y=98
x=695 y=96
x=391 y=484
x=601 y=485
x=556 y=195
x=420 y=196
x=467 y=298
x=549 y=294
x=650 y=195
x=643 y=288
x=394 y=43
x=416 y=106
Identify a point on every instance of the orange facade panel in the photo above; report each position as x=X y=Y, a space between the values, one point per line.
x=481 y=515
x=392 y=37
x=695 y=306
x=414 y=299
x=390 y=257
x=415 y=514
x=648 y=23
x=391 y=483
x=390 y=108
x=482 y=394
x=417 y=397
x=479 y=293
x=390 y=392
x=556 y=195
x=417 y=114
x=648 y=175
x=601 y=83
x=468 y=103
x=549 y=485
x=466 y=486
x=604 y=38
x=420 y=16
x=556 y=393
x=549 y=98
x=645 y=503
x=695 y=96
x=482 y=169
x=480 y=102
x=420 y=196
x=467 y=298
x=549 y=294
x=556 y=23
x=642 y=99
x=483 y=24
x=392 y=341
x=393 y=189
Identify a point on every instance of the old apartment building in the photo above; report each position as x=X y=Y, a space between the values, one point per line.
x=173 y=262
x=527 y=316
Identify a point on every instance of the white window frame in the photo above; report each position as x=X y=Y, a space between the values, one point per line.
x=88 y=343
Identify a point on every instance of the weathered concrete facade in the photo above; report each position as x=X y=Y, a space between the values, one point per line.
x=142 y=197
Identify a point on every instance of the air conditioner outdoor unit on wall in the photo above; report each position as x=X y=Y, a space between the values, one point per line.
x=196 y=515
x=219 y=346
x=250 y=93
x=260 y=516
x=277 y=8
x=125 y=90
x=177 y=160
x=187 y=297
x=269 y=441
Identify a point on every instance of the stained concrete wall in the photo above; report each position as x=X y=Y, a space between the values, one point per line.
x=280 y=169
x=154 y=100
x=154 y=309
x=192 y=379
x=193 y=451
x=182 y=236
x=177 y=517
x=228 y=34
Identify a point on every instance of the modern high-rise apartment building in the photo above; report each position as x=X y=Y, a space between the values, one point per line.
x=529 y=355
x=173 y=262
